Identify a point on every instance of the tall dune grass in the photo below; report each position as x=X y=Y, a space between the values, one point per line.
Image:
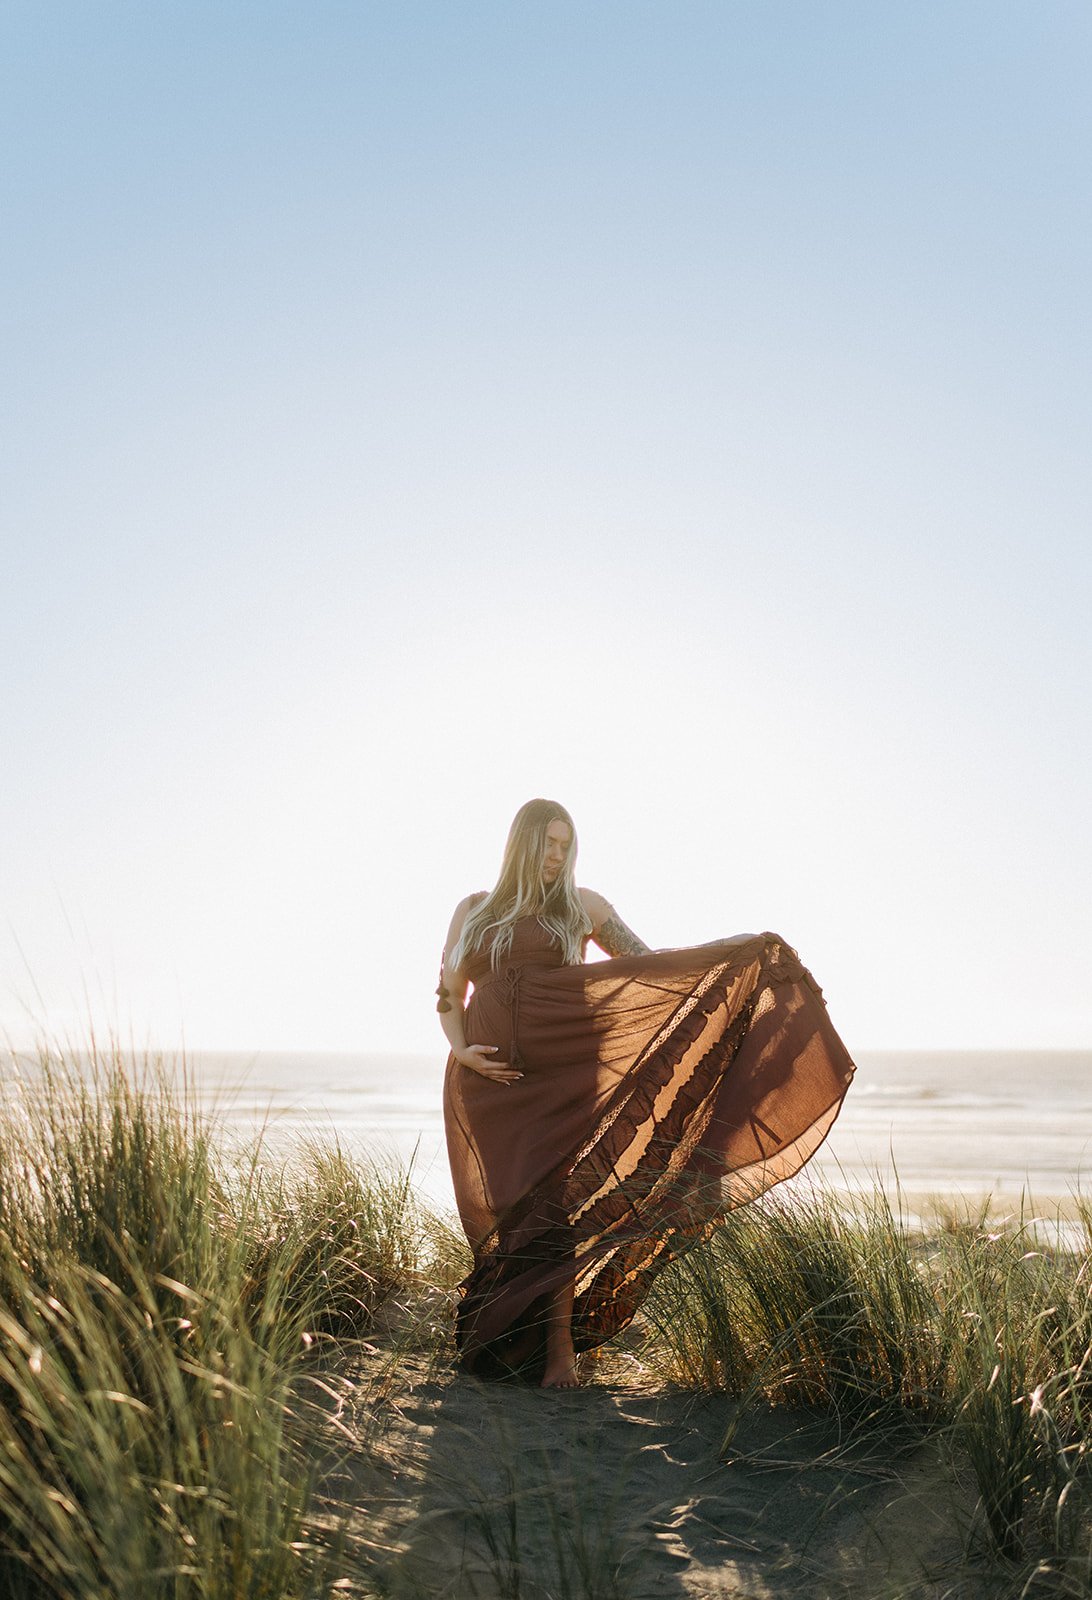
x=806 y=1304
x=1019 y=1326
x=981 y=1338
x=157 y=1313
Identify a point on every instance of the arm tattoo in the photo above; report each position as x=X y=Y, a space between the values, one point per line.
x=618 y=940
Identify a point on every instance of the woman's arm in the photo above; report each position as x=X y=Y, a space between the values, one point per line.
x=608 y=930
x=452 y=1006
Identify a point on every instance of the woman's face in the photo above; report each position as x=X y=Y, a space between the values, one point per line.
x=559 y=838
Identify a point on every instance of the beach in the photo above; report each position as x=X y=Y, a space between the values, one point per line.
x=832 y=1396
x=626 y=1492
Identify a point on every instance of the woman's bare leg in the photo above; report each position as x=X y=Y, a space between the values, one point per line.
x=560 y=1356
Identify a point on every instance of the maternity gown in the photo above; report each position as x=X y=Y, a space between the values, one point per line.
x=659 y=1091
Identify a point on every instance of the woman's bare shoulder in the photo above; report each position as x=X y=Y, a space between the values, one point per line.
x=598 y=908
x=462 y=911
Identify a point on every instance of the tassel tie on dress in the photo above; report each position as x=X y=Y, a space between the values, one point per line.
x=511 y=980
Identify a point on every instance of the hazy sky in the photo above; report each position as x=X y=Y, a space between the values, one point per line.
x=681 y=410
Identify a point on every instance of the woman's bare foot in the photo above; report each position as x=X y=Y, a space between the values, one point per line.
x=560 y=1356
x=561 y=1372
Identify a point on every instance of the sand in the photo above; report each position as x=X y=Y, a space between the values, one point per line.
x=623 y=1489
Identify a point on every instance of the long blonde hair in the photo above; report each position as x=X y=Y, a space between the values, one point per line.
x=520 y=892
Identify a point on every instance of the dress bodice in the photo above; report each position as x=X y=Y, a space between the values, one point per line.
x=532 y=946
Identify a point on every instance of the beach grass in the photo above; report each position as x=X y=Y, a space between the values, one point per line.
x=980 y=1336
x=179 y=1326
x=810 y=1303
x=158 y=1313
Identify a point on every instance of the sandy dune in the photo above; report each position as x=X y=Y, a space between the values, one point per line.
x=482 y=1492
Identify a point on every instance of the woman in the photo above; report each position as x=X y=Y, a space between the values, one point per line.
x=600 y=1116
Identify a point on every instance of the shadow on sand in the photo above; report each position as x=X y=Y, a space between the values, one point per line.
x=499 y=1492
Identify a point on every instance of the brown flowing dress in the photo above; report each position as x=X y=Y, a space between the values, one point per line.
x=658 y=1092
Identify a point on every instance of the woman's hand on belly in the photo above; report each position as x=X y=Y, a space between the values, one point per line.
x=475 y=1056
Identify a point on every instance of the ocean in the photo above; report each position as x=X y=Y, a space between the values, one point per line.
x=968 y=1123
x=945 y=1126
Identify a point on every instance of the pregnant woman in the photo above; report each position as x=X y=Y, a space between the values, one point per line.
x=599 y=1116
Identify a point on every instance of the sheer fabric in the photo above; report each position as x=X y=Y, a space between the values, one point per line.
x=659 y=1092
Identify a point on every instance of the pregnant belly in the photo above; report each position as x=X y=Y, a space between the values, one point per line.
x=488 y=1019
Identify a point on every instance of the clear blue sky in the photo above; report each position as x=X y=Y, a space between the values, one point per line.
x=681 y=410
